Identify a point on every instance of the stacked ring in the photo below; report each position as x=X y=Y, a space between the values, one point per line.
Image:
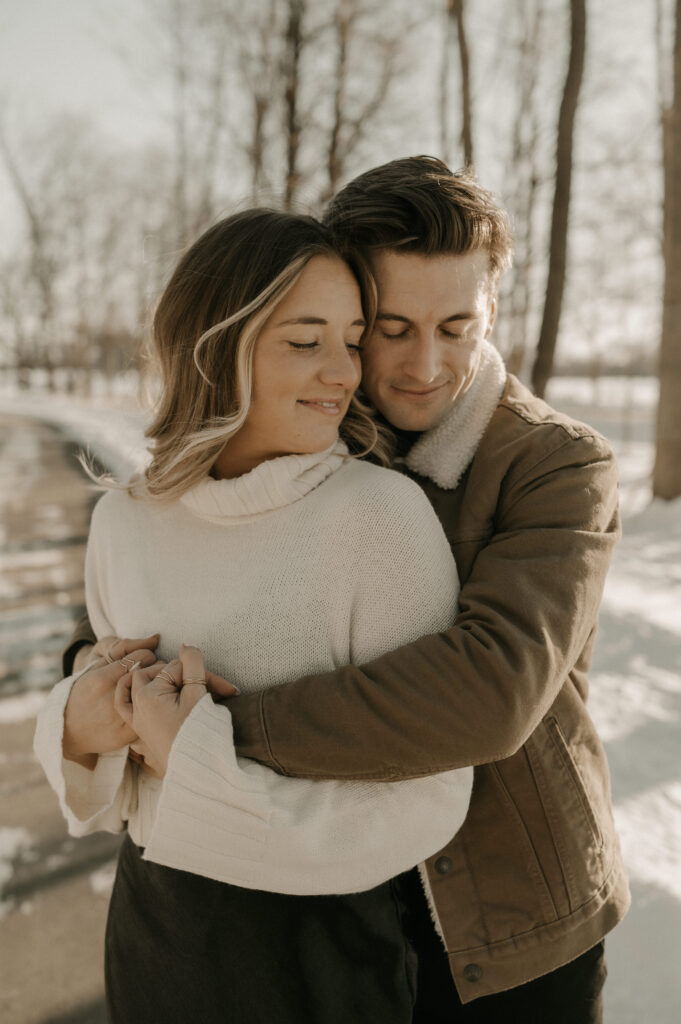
x=165 y=674
x=193 y=682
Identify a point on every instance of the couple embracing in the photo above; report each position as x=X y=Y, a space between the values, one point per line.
x=403 y=813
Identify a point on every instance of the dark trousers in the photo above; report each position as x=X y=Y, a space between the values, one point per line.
x=182 y=949
x=569 y=995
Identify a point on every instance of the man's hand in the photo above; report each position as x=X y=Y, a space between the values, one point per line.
x=155 y=701
x=91 y=724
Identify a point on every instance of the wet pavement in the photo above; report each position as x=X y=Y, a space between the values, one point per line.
x=53 y=889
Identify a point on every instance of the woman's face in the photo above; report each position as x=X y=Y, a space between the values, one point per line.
x=306 y=368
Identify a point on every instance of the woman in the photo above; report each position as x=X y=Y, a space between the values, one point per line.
x=255 y=534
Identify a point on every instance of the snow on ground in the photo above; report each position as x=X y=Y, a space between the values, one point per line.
x=635 y=683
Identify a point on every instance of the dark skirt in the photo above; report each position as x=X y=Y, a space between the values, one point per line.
x=182 y=948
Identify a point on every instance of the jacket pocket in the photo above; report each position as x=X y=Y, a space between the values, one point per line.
x=577 y=780
x=574 y=827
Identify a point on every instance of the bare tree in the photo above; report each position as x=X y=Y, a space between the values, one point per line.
x=455 y=26
x=667 y=471
x=524 y=172
x=293 y=47
x=354 y=110
x=259 y=61
x=548 y=335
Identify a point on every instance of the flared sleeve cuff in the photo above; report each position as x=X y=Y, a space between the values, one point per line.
x=90 y=801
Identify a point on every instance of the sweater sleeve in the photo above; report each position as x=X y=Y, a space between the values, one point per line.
x=90 y=801
x=239 y=822
x=104 y=798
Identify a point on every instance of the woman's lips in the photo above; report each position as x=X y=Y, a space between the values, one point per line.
x=323 y=406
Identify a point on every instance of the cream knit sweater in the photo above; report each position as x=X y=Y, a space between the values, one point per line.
x=305 y=564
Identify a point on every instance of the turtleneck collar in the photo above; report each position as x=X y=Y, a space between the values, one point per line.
x=270 y=486
x=445 y=452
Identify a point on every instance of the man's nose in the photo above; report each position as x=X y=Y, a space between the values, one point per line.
x=422 y=360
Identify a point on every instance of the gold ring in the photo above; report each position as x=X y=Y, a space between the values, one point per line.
x=165 y=674
x=107 y=655
x=127 y=662
x=193 y=682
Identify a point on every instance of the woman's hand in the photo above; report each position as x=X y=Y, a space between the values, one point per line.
x=92 y=726
x=155 y=701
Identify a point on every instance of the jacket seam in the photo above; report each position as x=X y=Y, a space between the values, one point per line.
x=268 y=744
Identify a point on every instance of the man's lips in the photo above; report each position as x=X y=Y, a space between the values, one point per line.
x=419 y=394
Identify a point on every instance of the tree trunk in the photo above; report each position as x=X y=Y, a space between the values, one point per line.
x=294 y=45
x=464 y=60
x=548 y=335
x=667 y=471
x=334 y=162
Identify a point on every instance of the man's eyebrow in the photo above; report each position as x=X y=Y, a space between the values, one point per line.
x=405 y=320
x=316 y=320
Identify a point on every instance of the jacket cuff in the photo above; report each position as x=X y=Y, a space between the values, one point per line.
x=82 y=634
x=250 y=732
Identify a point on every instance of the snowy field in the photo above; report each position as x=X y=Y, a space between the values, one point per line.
x=636 y=679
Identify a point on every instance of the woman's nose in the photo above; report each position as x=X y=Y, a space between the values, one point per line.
x=341 y=367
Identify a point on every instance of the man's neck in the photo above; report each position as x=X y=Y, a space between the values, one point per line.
x=404 y=439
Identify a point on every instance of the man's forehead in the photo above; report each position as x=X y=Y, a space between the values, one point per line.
x=446 y=286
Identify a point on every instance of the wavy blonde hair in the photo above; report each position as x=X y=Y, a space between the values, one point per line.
x=204 y=331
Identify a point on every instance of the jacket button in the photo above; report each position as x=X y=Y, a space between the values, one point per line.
x=472 y=972
x=443 y=865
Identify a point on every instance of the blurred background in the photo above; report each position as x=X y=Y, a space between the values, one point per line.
x=127 y=128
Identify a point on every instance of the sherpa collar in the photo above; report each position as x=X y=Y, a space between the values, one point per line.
x=445 y=452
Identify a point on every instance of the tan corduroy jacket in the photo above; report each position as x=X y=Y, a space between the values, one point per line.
x=534 y=877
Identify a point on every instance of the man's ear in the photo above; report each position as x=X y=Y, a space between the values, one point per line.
x=492 y=315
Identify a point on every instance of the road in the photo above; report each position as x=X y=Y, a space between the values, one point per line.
x=53 y=889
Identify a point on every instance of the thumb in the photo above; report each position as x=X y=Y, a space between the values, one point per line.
x=220 y=687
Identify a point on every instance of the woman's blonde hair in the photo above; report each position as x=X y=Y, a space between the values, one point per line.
x=205 y=327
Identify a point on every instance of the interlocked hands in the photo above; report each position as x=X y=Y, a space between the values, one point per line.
x=127 y=697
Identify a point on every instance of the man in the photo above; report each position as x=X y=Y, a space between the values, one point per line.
x=525 y=892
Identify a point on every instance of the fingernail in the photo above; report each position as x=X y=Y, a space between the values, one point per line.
x=237 y=691
x=136 y=666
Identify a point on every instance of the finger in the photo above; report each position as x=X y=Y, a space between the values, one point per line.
x=143 y=658
x=139 y=679
x=148 y=643
x=219 y=686
x=169 y=673
x=103 y=645
x=123 y=698
x=122 y=646
x=193 y=666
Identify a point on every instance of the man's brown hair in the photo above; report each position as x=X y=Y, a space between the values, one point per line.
x=417 y=204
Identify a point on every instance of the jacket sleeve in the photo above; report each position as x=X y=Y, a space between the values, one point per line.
x=238 y=822
x=83 y=633
x=473 y=693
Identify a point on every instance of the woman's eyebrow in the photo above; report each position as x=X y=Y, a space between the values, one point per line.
x=316 y=320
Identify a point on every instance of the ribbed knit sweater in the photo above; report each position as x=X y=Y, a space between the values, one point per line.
x=302 y=565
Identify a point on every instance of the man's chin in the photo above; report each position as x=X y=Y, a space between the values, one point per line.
x=414 y=420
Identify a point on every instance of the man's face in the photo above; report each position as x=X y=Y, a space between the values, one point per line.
x=434 y=313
